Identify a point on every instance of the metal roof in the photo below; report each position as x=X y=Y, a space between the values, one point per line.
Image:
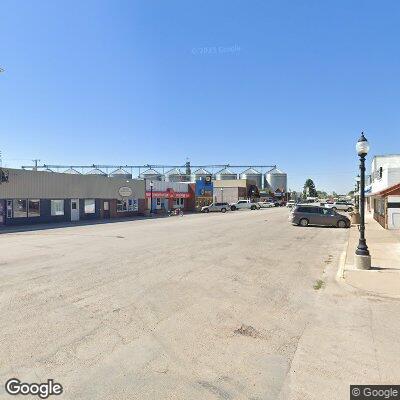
x=71 y=171
x=201 y=171
x=251 y=171
x=276 y=171
x=174 y=171
x=120 y=171
x=96 y=171
x=150 y=171
x=225 y=171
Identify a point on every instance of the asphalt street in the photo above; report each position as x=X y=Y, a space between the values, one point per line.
x=240 y=305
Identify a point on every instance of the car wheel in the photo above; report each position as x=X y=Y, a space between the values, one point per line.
x=334 y=208
x=252 y=207
x=233 y=208
x=206 y=210
x=350 y=209
x=303 y=222
x=223 y=210
x=341 y=224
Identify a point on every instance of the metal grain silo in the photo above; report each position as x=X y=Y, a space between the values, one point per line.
x=199 y=174
x=151 y=175
x=225 y=174
x=71 y=171
x=175 y=175
x=254 y=175
x=96 y=171
x=121 y=173
x=276 y=180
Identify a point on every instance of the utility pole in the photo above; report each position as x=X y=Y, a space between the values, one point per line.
x=36 y=160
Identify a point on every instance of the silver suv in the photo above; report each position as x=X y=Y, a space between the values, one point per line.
x=222 y=207
x=304 y=215
x=341 y=205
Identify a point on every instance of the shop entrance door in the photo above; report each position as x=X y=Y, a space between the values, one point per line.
x=2 y=212
x=106 y=209
x=74 y=210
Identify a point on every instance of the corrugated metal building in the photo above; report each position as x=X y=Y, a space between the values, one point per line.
x=232 y=190
x=41 y=196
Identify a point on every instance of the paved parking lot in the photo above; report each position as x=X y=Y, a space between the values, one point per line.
x=215 y=306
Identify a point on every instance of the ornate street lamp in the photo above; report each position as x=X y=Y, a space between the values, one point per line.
x=222 y=195
x=362 y=258
x=151 y=197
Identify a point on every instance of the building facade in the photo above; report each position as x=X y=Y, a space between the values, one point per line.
x=383 y=193
x=29 y=197
x=203 y=192
x=164 y=196
x=385 y=172
x=232 y=190
x=386 y=207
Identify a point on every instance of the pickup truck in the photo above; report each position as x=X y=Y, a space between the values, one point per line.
x=245 y=204
x=340 y=206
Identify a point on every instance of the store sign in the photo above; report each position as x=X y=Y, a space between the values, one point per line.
x=125 y=191
x=168 y=194
x=204 y=188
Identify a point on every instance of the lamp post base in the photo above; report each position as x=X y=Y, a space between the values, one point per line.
x=362 y=262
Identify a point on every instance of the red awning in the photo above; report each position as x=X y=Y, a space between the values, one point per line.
x=388 y=190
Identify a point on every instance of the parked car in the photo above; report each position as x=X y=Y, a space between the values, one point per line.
x=290 y=203
x=222 y=207
x=266 y=204
x=305 y=215
x=244 y=204
x=341 y=205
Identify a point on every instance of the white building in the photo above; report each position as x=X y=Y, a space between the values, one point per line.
x=385 y=172
x=384 y=190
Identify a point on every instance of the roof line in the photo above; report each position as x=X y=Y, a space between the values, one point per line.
x=388 y=190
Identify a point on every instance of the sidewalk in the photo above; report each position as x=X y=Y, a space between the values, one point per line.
x=384 y=247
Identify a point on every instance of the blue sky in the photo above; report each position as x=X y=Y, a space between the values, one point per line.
x=290 y=83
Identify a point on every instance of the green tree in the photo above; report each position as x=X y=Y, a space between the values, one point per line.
x=309 y=189
x=322 y=194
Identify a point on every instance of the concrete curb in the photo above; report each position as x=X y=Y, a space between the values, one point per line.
x=340 y=278
x=342 y=262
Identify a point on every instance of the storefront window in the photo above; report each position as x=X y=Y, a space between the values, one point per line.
x=20 y=208
x=379 y=206
x=127 y=205
x=121 y=206
x=33 y=208
x=57 y=207
x=90 y=206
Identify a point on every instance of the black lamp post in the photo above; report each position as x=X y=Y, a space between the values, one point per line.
x=151 y=197
x=362 y=148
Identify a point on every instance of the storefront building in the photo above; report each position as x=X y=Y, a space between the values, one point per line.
x=385 y=172
x=233 y=190
x=387 y=207
x=169 y=196
x=203 y=192
x=29 y=197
